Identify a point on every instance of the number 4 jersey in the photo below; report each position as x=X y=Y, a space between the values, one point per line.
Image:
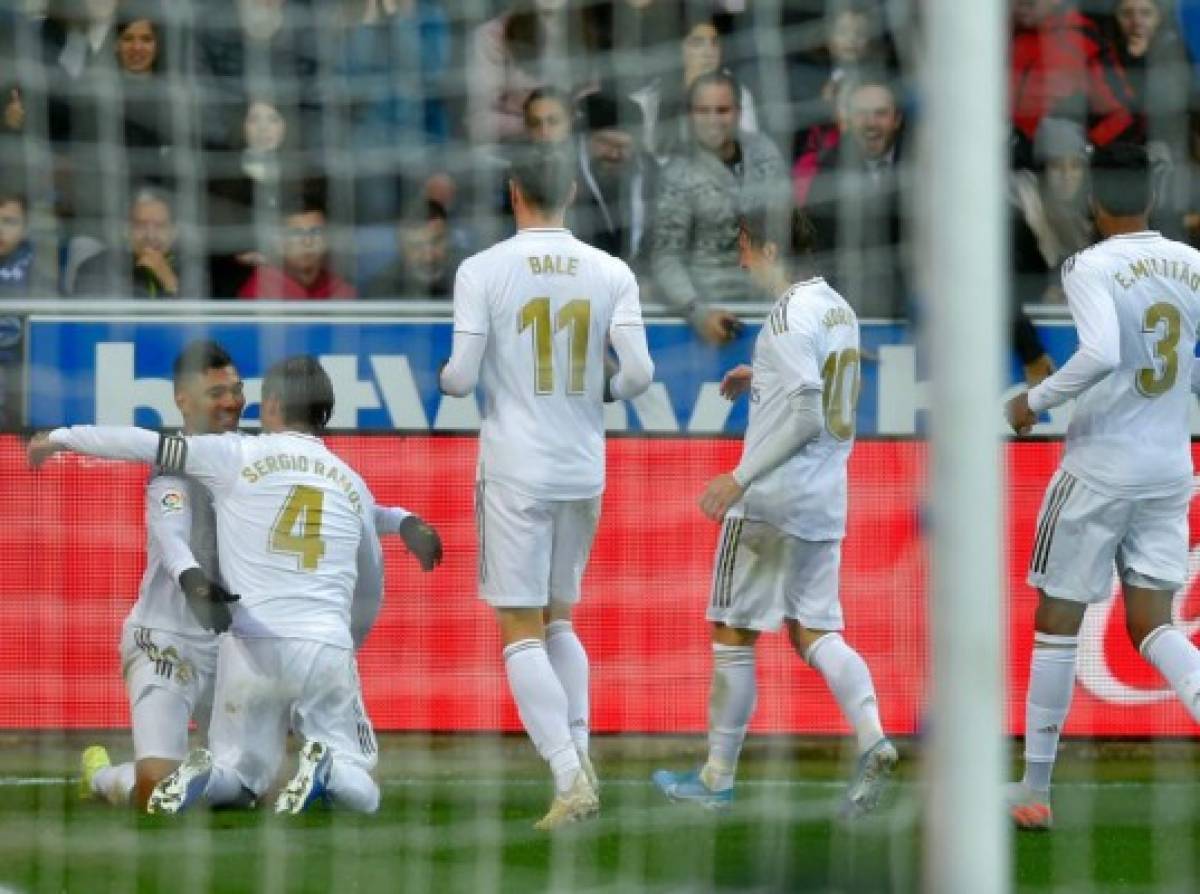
x=545 y=302
x=808 y=343
x=1135 y=300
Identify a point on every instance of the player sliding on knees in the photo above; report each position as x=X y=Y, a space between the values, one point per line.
x=531 y=318
x=296 y=535
x=783 y=516
x=1120 y=496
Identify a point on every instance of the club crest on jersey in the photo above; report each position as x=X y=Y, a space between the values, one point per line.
x=173 y=501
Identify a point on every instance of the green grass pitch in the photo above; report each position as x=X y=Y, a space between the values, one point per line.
x=457 y=810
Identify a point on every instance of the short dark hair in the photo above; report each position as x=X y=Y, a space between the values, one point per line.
x=720 y=76
x=547 y=92
x=197 y=358
x=305 y=197
x=545 y=174
x=303 y=389
x=421 y=212
x=16 y=195
x=1121 y=179
x=782 y=223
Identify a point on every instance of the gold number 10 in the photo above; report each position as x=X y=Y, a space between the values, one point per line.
x=842 y=382
x=575 y=316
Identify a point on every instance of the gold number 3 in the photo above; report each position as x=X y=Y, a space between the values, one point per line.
x=301 y=509
x=574 y=315
x=1153 y=381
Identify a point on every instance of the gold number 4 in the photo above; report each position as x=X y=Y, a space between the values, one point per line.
x=841 y=396
x=1156 y=380
x=575 y=316
x=301 y=510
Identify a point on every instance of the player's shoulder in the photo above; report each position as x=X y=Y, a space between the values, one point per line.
x=813 y=305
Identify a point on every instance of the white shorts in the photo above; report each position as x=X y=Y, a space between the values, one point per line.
x=762 y=575
x=1083 y=535
x=169 y=678
x=266 y=686
x=531 y=551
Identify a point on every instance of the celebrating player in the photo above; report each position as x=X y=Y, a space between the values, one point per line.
x=531 y=317
x=783 y=514
x=1120 y=496
x=297 y=540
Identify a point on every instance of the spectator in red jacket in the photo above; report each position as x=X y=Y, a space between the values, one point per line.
x=304 y=271
x=1062 y=65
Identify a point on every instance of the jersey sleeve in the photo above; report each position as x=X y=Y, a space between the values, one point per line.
x=627 y=310
x=470 y=302
x=169 y=523
x=213 y=460
x=388 y=519
x=368 y=584
x=1096 y=322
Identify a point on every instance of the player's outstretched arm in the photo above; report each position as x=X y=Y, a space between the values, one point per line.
x=123 y=442
x=635 y=370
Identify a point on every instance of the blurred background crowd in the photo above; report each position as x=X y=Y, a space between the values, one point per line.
x=340 y=149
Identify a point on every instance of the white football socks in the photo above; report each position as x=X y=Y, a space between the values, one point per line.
x=115 y=784
x=730 y=704
x=225 y=789
x=1051 y=685
x=570 y=662
x=542 y=704
x=849 y=679
x=351 y=786
x=1178 y=661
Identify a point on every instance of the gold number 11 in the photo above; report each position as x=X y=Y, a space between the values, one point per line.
x=575 y=316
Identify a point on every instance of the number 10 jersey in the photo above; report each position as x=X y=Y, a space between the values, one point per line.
x=1129 y=434
x=545 y=302
x=809 y=342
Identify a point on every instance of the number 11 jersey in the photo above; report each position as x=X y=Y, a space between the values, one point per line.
x=545 y=302
x=1138 y=294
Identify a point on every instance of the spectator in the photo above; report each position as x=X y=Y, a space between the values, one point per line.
x=148 y=266
x=615 y=181
x=664 y=103
x=244 y=193
x=547 y=115
x=527 y=46
x=423 y=268
x=1051 y=220
x=252 y=48
x=854 y=42
x=627 y=38
x=694 y=255
x=855 y=204
x=149 y=135
x=393 y=59
x=304 y=271
x=1061 y=65
x=18 y=277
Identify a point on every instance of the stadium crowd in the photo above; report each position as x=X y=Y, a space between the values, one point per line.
x=296 y=149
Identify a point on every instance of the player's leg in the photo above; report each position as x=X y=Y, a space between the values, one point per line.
x=812 y=603
x=515 y=544
x=1152 y=563
x=748 y=573
x=339 y=750
x=1072 y=565
x=574 y=530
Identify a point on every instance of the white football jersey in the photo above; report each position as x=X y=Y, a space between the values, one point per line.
x=1129 y=434
x=809 y=342
x=545 y=302
x=291 y=518
x=181 y=533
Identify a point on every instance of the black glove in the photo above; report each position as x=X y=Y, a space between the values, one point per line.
x=422 y=541
x=207 y=599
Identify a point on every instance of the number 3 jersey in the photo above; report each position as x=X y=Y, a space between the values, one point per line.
x=809 y=342
x=545 y=302
x=1135 y=299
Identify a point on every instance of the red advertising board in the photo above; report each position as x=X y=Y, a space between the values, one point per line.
x=71 y=556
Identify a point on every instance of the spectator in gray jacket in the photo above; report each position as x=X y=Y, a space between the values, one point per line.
x=702 y=194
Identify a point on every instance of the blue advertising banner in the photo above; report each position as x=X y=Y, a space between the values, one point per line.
x=117 y=370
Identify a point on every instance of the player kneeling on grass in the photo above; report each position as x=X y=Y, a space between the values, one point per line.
x=541 y=447
x=783 y=514
x=1120 y=496
x=297 y=540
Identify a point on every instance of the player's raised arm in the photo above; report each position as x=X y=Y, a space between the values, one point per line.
x=471 y=323
x=627 y=334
